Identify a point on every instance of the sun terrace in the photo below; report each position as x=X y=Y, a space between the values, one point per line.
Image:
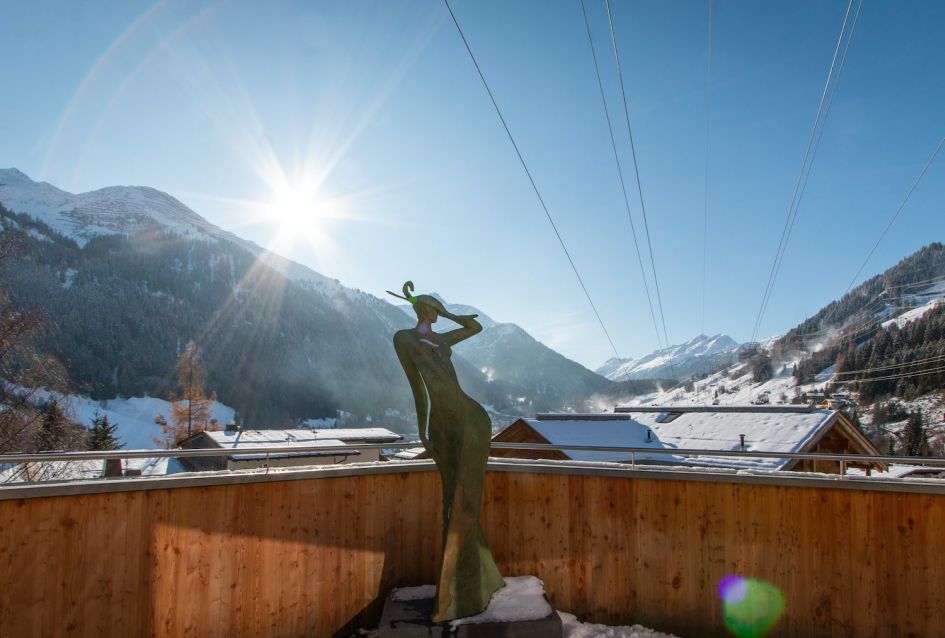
x=314 y=551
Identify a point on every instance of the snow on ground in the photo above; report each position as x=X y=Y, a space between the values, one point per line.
x=134 y=417
x=912 y=315
x=522 y=599
x=573 y=628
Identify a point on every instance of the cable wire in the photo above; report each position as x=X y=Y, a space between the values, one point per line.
x=936 y=360
x=897 y=376
x=708 y=121
x=636 y=169
x=623 y=184
x=805 y=170
x=530 y=178
x=896 y=214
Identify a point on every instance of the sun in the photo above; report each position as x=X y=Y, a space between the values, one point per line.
x=296 y=209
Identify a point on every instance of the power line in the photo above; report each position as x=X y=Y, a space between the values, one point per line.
x=705 y=202
x=623 y=184
x=708 y=121
x=927 y=282
x=936 y=360
x=896 y=214
x=897 y=376
x=530 y=178
x=636 y=169
x=806 y=166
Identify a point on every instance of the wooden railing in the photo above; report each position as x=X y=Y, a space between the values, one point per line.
x=314 y=553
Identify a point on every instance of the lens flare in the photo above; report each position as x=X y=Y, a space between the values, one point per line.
x=751 y=607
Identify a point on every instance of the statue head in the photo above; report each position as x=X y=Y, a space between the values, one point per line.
x=427 y=307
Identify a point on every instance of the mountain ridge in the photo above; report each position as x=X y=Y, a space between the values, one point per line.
x=129 y=274
x=698 y=356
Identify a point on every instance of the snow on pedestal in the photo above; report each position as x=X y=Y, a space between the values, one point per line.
x=518 y=610
x=522 y=598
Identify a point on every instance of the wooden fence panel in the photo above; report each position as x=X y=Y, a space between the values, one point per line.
x=315 y=557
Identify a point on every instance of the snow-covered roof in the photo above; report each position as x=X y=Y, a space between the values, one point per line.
x=84 y=470
x=298 y=438
x=612 y=432
x=768 y=431
x=278 y=438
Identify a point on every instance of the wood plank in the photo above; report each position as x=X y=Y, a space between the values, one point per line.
x=310 y=557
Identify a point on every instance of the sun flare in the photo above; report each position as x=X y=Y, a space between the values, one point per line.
x=296 y=209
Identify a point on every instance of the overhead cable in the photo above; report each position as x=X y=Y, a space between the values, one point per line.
x=807 y=163
x=530 y=178
x=708 y=121
x=896 y=213
x=937 y=360
x=623 y=184
x=636 y=170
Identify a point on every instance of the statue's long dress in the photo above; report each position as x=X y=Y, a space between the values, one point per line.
x=459 y=435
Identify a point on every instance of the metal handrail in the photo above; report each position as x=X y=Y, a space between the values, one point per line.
x=201 y=452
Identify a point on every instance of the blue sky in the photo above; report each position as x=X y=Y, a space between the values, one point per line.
x=368 y=117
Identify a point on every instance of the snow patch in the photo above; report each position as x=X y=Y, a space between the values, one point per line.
x=522 y=598
x=573 y=628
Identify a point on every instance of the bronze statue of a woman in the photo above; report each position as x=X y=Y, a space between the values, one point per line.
x=456 y=432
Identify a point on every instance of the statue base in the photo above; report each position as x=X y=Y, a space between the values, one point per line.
x=518 y=610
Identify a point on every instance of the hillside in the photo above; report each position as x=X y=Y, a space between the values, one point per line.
x=129 y=275
x=884 y=342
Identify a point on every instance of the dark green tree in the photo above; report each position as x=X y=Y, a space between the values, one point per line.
x=102 y=434
x=55 y=430
x=915 y=439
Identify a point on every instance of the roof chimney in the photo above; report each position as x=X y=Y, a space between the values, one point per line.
x=232 y=427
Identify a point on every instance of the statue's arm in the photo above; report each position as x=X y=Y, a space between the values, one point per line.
x=419 y=389
x=470 y=327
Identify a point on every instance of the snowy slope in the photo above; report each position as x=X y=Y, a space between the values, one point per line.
x=696 y=357
x=134 y=417
x=733 y=385
x=124 y=210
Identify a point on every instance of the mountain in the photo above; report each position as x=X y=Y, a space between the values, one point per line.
x=129 y=210
x=128 y=275
x=536 y=377
x=878 y=350
x=697 y=357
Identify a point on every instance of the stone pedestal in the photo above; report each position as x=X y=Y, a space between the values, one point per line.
x=520 y=610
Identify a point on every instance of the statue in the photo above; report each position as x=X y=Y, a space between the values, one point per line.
x=456 y=431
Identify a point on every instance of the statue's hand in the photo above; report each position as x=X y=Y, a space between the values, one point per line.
x=456 y=318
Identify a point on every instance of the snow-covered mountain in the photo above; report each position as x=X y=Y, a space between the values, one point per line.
x=129 y=273
x=536 y=376
x=126 y=210
x=696 y=357
x=894 y=320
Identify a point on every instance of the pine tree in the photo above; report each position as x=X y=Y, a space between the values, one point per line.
x=191 y=408
x=915 y=438
x=53 y=432
x=102 y=434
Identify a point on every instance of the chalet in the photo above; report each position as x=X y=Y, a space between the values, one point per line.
x=728 y=428
x=234 y=440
